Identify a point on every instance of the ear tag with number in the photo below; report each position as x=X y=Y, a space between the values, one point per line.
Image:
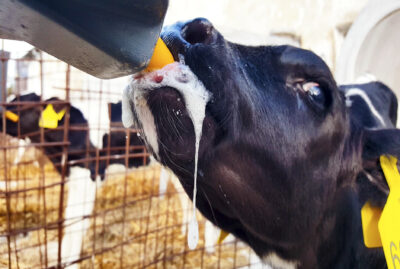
x=389 y=223
x=50 y=117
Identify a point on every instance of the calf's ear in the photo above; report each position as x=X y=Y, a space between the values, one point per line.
x=381 y=142
x=371 y=181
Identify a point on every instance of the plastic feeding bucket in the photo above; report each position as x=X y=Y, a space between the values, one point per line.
x=104 y=38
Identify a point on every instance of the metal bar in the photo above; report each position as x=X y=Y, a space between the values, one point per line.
x=32 y=103
x=38 y=145
x=148 y=220
x=97 y=169
x=54 y=225
x=91 y=91
x=124 y=197
x=42 y=173
x=3 y=86
x=64 y=167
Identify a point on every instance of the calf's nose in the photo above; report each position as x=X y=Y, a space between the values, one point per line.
x=199 y=30
x=182 y=35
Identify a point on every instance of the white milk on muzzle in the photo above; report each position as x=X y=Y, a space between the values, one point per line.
x=196 y=96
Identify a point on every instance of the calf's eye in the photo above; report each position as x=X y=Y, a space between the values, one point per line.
x=315 y=94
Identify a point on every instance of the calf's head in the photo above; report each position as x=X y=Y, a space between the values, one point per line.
x=28 y=112
x=277 y=149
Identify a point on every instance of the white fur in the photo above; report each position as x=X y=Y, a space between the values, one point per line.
x=80 y=204
x=184 y=201
x=276 y=262
x=254 y=261
x=163 y=182
x=21 y=150
x=349 y=103
x=143 y=113
x=149 y=127
x=127 y=113
x=364 y=96
x=211 y=235
x=179 y=77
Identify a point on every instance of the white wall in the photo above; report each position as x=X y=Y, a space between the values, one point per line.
x=313 y=20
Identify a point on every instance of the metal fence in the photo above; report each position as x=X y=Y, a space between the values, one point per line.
x=81 y=194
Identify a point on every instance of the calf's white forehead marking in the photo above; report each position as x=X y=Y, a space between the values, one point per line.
x=364 y=96
x=277 y=262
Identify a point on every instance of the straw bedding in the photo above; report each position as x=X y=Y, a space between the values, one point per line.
x=131 y=226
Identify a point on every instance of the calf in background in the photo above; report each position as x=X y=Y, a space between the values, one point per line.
x=372 y=104
x=114 y=143
x=82 y=183
x=79 y=146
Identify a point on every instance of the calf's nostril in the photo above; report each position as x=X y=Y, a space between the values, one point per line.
x=197 y=31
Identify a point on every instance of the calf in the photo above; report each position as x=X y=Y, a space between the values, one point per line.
x=114 y=143
x=372 y=105
x=81 y=190
x=280 y=153
x=27 y=126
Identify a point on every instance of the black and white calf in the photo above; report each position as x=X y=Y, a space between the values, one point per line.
x=280 y=154
x=114 y=142
x=372 y=105
x=80 y=162
x=27 y=126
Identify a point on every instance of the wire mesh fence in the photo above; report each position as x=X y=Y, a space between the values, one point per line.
x=77 y=189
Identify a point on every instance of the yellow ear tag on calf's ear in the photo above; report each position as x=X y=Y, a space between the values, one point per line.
x=389 y=223
x=370 y=216
x=12 y=116
x=50 y=118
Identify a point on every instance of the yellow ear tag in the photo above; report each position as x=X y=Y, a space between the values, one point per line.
x=389 y=223
x=12 y=116
x=50 y=117
x=222 y=236
x=61 y=114
x=370 y=217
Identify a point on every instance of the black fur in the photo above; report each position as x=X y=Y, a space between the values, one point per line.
x=383 y=99
x=278 y=168
x=114 y=143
